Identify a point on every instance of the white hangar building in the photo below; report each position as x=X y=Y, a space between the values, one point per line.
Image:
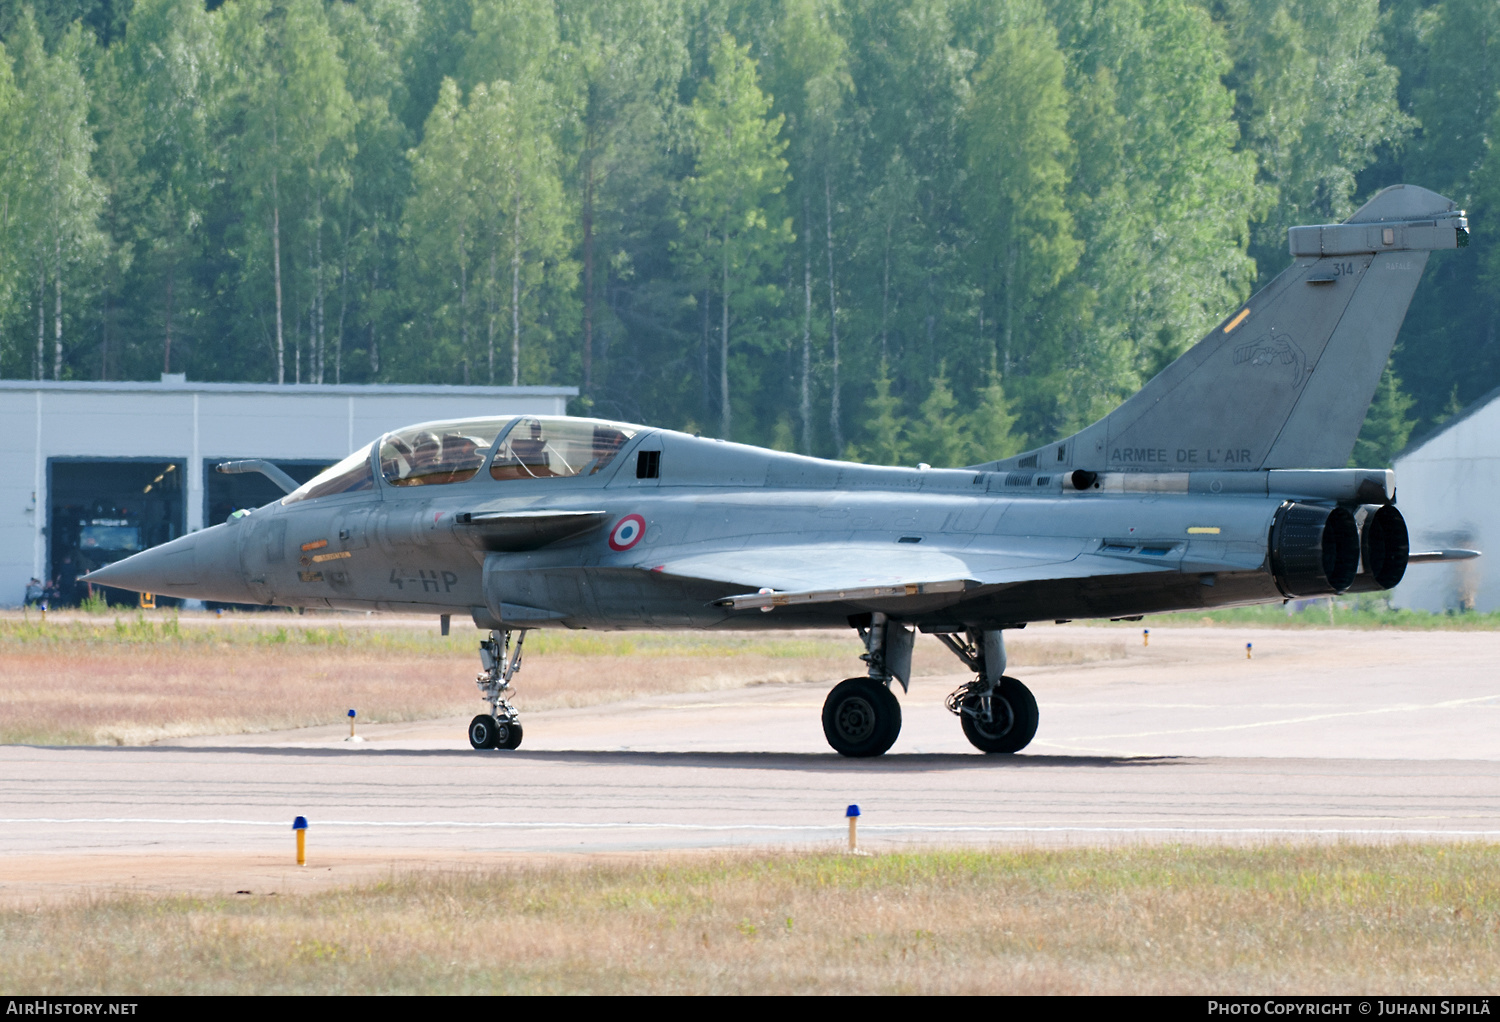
x=90 y=472
x=1448 y=489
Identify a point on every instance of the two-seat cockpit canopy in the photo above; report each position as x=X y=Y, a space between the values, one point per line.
x=510 y=447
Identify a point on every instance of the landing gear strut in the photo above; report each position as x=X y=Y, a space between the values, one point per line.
x=861 y=716
x=998 y=713
x=501 y=727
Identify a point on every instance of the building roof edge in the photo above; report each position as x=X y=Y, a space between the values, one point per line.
x=1430 y=434
x=288 y=389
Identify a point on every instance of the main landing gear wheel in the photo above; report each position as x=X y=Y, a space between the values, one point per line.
x=483 y=731
x=861 y=718
x=509 y=735
x=1007 y=724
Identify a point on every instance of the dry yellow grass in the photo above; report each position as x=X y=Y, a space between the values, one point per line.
x=136 y=679
x=1282 y=919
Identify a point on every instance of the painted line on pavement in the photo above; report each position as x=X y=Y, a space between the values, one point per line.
x=1310 y=719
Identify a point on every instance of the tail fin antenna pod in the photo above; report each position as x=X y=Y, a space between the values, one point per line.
x=1285 y=381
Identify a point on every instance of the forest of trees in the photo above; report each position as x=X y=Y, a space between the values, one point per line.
x=908 y=230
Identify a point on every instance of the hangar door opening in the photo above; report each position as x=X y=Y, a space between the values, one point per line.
x=101 y=511
x=224 y=494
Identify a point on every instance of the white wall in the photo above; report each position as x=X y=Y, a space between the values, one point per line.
x=194 y=421
x=1448 y=489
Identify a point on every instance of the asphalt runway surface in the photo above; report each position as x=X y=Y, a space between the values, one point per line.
x=1325 y=735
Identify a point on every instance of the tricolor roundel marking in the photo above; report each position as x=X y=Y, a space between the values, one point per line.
x=627 y=532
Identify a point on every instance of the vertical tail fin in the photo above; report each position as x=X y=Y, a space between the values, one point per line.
x=1286 y=380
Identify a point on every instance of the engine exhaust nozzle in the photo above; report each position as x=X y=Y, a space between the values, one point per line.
x=1314 y=550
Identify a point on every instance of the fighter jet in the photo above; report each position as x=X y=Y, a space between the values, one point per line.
x=1221 y=483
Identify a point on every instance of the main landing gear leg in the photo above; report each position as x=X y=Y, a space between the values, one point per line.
x=861 y=716
x=998 y=713
x=501 y=727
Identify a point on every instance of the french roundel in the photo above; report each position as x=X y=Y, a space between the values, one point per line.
x=627 y=532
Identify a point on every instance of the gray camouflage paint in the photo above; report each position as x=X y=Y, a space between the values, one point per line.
x=1178 y=517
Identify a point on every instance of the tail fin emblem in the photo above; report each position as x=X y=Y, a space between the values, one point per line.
x=1274 y=351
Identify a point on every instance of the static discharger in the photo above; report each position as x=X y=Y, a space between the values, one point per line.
x=853 y=813
x=299 y=827
x=1145 y=636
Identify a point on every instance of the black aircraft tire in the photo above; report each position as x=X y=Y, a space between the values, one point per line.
x=861 y=718
x=1015 y=724
x=510 y=735
x=483 y=730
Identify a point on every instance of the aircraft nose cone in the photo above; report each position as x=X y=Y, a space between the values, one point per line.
x=201 y=566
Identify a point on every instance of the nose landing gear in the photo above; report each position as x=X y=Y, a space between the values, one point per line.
x=998 y=713
x=501 y=727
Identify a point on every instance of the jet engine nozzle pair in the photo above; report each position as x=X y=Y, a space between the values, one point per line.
x=1324 y=551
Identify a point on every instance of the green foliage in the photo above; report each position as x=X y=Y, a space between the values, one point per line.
x=885 y=427
x=289 y=144
x=487 y=232
x=992 y=424
x=1387 y=425
x=57 y=199
x=1316 y=102
x=733 y=235
x=1446 y=52
x=727 y=213
x=940 y=436
x=1019 y=161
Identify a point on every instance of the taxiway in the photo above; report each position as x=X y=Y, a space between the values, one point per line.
x=1325 y=735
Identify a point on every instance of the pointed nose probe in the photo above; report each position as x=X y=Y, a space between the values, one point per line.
x=200 y=566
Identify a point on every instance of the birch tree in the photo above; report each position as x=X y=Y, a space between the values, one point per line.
x=59 y=201
x=162 y=162
x=813 y=83
x=1019 y=159
x=488 y=225
x=14 y=165
x=290 y=131
x=732 y=236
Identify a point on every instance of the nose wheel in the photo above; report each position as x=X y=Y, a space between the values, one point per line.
x=487 y=732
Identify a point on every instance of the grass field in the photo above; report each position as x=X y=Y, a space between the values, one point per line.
x=1280 y=919
x=133 y=679
x=1370 y=610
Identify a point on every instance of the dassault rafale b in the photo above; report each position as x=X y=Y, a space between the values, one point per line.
x=1221 y=482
